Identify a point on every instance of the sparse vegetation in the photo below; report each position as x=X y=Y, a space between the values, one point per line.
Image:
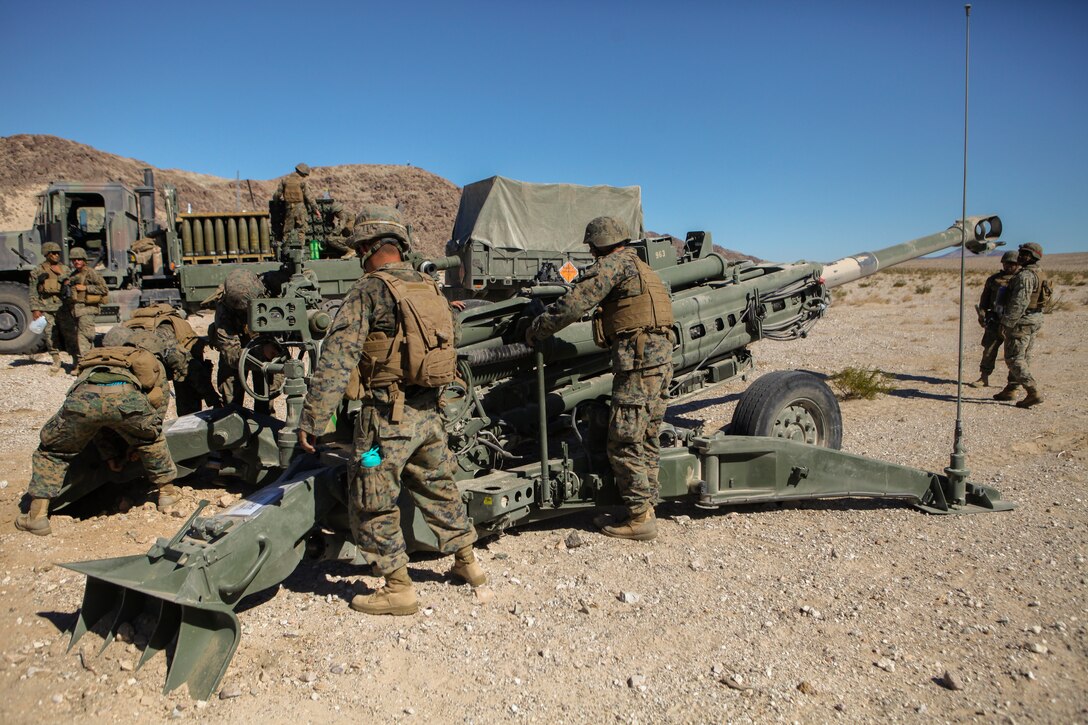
x=900 y=283
x=1057 y=303
x=861 y=383
x=923 y=289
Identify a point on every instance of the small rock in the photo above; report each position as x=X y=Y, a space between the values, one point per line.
x=734 y=682
x=230 y=692
x=321 y=686
x=337 y=669
x=483 y=594
x=1036 y=629
x=224 y=501
x=513 y=708
x=807 y=688
x=682 y=520
x=1033 y=604
x=409 y=711
x=587 y=606
x=57 y=698
x=1039 y=649
x=1030 y=675
x=696 y=565
x=840 y=707
x=175 y=714
x=951 y=681
x=126 y=665
x=811 y=612
x=516 y=610
x=637 y=682
x=574 y=540
x=308 y=677
x=886 y=664
x=314 y=696
x=3 y=484
x=627 y=597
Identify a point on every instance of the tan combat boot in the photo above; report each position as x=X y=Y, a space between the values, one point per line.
x=169 y=494
x=1033 y=398
x=55 y=367
x=982 y=382
x=1008 y=392
x=397 y=597
x=639 y=527
x=467 y=569
x=36 y=521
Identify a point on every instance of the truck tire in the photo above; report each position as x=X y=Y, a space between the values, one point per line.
x=790 y=404
x=15 y=334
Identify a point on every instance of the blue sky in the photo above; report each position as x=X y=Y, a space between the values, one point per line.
x=789 y=129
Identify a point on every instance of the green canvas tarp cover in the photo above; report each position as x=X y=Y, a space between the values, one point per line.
x=512 y=214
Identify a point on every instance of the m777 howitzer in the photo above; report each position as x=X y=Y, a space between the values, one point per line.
x=525 y=424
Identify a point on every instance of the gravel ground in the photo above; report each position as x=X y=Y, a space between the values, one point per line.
x=833 y=611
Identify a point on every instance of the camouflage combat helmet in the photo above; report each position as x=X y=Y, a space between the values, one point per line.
x=1033 y=250
x=380 y=222
x=50 y=247
x=117 y=336
x=240 y=287
x=1009 y=258
x=78 y=253
x=605 y=232
x=303 y=169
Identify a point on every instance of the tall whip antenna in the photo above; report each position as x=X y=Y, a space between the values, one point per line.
x=957 y=468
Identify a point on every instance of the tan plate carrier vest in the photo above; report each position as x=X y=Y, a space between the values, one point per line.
x=138 y=365
x=292 y=189
x=1042 y=293
x=647 y=311
x=422 y=350
x=151 y=318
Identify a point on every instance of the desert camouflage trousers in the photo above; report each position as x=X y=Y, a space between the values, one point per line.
x=1019 y=341
x=88 y=409
x=78 y=331
x=414 y=454
x=295 y=217
x=992 y=339
x=53 y=336
x=639 y=400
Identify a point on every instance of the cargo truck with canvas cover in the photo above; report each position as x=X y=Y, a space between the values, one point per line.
x=508 y=233
x=181 y=262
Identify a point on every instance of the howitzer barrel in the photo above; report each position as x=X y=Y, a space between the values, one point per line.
x=974 y=235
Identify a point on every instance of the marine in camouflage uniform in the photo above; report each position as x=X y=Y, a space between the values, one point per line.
x=231 y=333
x=102 y=398
x=83 y=302
x=404 y=424
x=338 y=243
x=641 y=364
x=296 y=201
x=1021 y=320
x=989 y=307
x=180 y=349
x=46 y=284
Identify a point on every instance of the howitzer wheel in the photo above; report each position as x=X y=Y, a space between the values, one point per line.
x=790 y=404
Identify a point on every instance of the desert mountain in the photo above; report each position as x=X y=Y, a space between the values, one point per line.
x=28 y=163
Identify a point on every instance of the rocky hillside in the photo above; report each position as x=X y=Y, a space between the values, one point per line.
x=29 y=162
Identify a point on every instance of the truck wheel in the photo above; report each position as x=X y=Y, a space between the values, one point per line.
x=15 y=334
x=790 y=404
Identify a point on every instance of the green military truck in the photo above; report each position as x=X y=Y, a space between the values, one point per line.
x=181 y=262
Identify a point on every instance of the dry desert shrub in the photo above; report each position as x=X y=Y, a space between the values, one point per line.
x=923 y=289
x=861 y=383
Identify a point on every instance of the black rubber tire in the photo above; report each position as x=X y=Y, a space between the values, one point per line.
x=790 y=404
x=15 y=334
